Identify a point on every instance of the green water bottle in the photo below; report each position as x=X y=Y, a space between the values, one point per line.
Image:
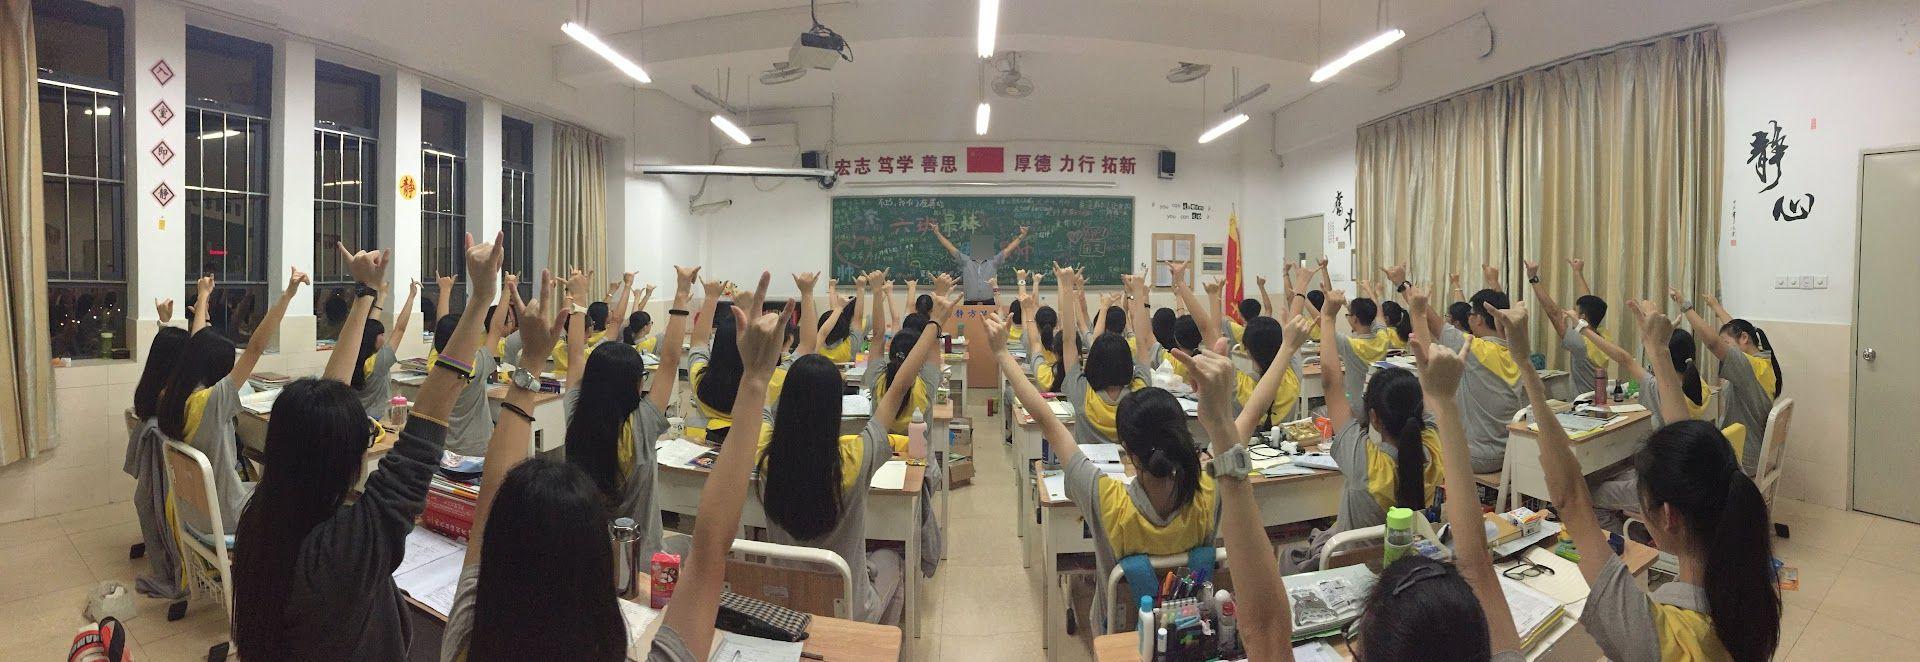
x=1399 y=535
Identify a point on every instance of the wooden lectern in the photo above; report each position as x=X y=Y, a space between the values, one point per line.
x=981 y=369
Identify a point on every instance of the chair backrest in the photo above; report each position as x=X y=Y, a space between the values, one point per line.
x=190 y=481
x=1162 y=562
x=1716 y=408
x=806 y=579
x=1331 y=551
x=1773 y=448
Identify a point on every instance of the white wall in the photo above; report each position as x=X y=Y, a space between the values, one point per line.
x=1849 y=68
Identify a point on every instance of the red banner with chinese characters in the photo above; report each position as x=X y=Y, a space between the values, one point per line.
x=1067 y=161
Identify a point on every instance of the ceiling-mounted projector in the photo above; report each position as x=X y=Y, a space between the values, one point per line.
x=816 y=49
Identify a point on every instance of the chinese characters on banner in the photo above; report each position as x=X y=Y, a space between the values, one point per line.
x=1767 y=155
x=978 y=159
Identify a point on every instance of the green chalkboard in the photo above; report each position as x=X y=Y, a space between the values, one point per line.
x=892 y=232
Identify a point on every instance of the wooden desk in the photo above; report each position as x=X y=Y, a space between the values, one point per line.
x=1122 y=646
x=1604 y=448
x=1282 y=500
x=251 y=428
x=892 y=515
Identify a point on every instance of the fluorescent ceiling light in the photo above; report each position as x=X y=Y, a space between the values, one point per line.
x=348 y=182
x=219 y=134
x=980 y=117
x=593 y=43
x=733 y=171
x=1223 y=127
x=989 y=24
x=101 y=111
x=1359 y=53
x=727 y=127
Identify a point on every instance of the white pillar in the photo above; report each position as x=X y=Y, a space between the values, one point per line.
x=484 y=152
x=290 y=209
x=542 y=195
x=399 y=216
x=156 y=32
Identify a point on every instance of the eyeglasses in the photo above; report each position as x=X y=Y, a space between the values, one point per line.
x=1525 y=569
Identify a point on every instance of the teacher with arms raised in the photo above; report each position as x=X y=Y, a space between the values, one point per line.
x=976 y=276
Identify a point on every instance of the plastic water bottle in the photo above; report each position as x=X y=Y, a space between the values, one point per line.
x=1146 y=628
x=1399 y=535
x=1600 y=390
x=397 y=410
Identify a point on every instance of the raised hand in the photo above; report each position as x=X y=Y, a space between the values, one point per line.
x=1490 y=272
x=761 y=337
x=512 y=281
x=484 y=261
x=1023 y=231
x=1029 y=302
x=1214 y=378
x=943 y=307
x=1453 y=281
x=443 y=281
x=1533 y=269
x=752 y=302
x=577 y=283
x=1396 y=274
x=714 y=288
x=1260 y=281
x=1440 y=368
x=1062 y=274
x=1321 y=265
x=540 y=321
x=806 y=281
x=988 y=329
x=942 y=284
x=1020 y=276
x=1416 y=298
x=204 y=286
x=1335 y=300
x=1674 y=293
x=1656 y=328
x=164 y=307
x=294 y=279
x=413 y=289
x=1215 y=286
x=1512 y=324
x=1577 y=264
x=367 y=267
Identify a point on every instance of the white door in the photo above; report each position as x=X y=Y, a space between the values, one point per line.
x=1886 y=445
x=1305 y=239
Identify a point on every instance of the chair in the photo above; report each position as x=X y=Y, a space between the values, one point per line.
x=1421 y=528
x=207 y=566
x=1717 y=407
x=774 y=577
x=1163 y=562
x=1773 y=450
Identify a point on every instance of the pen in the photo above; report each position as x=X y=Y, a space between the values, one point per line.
x=813 y=656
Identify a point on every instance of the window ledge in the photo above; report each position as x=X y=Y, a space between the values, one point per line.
x=88 y=363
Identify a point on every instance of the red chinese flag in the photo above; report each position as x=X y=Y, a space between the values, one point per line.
x=986 y=159
x=1236 y=287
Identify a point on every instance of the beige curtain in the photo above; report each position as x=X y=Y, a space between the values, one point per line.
x=26 y=388
x=1617 y=162
x=579 y=231
x=1612 y=157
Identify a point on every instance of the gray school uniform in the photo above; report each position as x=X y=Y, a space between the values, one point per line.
x=1358 y=509
x=976 y=276
x=849 y=535
x=471 y=424
x=1582 y=370
x=1487 y=404
x=1077 y=389
x=667 y=645
x=1747 y=404
x=1353 y=371
x=146 y=462
x=376 y=393
x=215 y=439
x=1083 y=489
x=639 y=497
x=1619 y=613
x=930 y=375
x=510 y=352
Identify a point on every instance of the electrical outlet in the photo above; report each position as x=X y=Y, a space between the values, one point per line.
x=1820 y=282
x=1804 y=282
x=1782 y=282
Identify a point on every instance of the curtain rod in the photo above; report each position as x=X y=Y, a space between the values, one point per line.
x=1545 y=66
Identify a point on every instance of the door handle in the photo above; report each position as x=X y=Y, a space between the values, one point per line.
x=1869 y=354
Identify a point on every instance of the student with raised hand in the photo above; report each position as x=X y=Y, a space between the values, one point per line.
x=378 y=352
x=1490 y=391
x=313 y=576
x=1616 y=491
x=836 y=339
x=1169 y=508
x=1748 y=363
x=1585 y=358
x=613 y=421
x=198 y=404
x=1700 y=507
x=579 y=284
x=886 y=358
x=1361 y=345
x=146 y=464
x=715 y=367
x=471 y=423
x=1388 y=452
x=1043 y=342
x=1109 y=374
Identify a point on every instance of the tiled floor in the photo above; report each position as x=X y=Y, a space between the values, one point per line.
x=1858 y=578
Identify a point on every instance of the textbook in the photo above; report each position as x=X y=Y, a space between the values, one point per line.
x=1534 y=612
x=1325 y=601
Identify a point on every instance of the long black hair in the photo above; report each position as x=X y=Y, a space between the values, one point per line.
x=315 y=443
x=1398 y=317
x=1116 y=320
x=1423 y=610
x=897 y=352
x=163 y=355
x=1689 y=467
x=206 y=359
x=1681 y=346
x=546 y=572
x=721 y=378
x=597 y=316
x=800 y=470
x=1109 y=361
x=1186 y=334
x=1394 y=397
x=1740 y=327
x=1046 y=322
x=609 y=392
x=1457 y=313
x=443 y=331
x=1163 y=328
x=1153 y=428
x=369 y=343
x=636 y=327
x=842 y=327
x=1262 y=339
x=923 y=304
x=1013 y=312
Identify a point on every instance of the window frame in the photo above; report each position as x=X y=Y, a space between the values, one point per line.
x=254 y=279
x=110 y=276
x=331 y=140
x=443 y=203
x=516 y=204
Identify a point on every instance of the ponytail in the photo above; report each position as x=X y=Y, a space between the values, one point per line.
x=1398 y=318
x=1740 y=327
x=1153 y=427
x=1410 y=468
x=1394 y=395
x=1689 y=467
x=1680 y=346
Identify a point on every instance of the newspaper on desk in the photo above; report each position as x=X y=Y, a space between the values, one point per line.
x=1324 y=601
x=430 y=571
x=856 y=405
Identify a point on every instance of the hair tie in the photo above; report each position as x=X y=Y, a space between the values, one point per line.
x=1416 y=576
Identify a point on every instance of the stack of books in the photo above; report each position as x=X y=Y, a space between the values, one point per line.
x=1534 y=613
x=416 y=364
x=450 y=507
x=267 y=381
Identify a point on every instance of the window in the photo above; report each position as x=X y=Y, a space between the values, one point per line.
x=516 y=203
x=79 y=53
x=443 y=192
x=345 y=207
x=226 y=188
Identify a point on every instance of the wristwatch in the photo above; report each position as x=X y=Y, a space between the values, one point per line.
x=1233 y=464
x=1402 y=287
x=1533 y=280
x=525 y=379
